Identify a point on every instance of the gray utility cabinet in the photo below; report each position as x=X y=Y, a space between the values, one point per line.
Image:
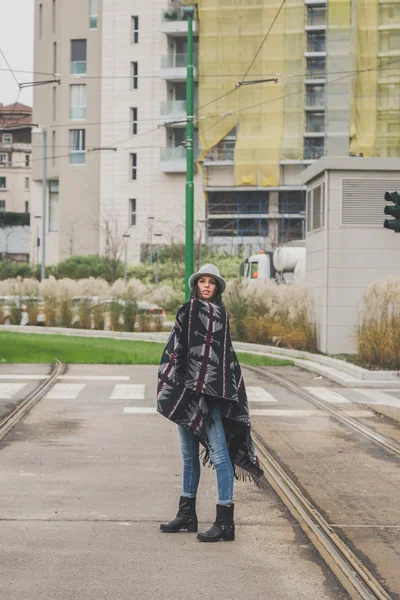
x=347 y=246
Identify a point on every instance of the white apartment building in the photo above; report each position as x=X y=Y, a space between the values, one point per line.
x=116 y=160
x=15 y=158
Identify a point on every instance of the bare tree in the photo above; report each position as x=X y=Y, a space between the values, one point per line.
x=114 y=242
x=70 y=232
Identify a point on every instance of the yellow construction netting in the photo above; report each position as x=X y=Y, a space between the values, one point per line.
x=268 y=117
x=295 y=65
x=231 y=33
x=364 y=113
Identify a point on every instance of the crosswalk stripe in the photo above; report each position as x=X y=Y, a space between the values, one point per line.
x=128 y=392
x=285 y=412
x=8 y=390
x=327 y=395
x=358 y=413
x=96 y=377
x=259 y=394
x=67 y=391
x=379 y=397
x=17 y=377
x=139 y=410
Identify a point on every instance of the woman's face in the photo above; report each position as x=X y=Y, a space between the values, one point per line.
x=206 y=286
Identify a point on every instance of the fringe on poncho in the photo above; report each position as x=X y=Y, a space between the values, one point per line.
x=198 y=362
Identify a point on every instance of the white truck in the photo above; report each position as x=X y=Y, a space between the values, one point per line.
x=287 y=264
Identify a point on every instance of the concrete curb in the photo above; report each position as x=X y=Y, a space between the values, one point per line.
x=338 y=371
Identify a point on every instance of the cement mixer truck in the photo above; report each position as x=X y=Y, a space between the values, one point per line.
x=287 y=264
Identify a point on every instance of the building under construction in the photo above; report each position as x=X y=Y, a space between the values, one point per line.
x=337 y=92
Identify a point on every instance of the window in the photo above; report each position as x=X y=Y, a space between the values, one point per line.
x=3 y=183
x=134 y=73
x=179 y=135
x=77 y=142
x=27 y=160
x=132 y=212
x=40 y=21
x=316 y=42
x=93 y=13
x=27 y=183
x=2 y=206
x=135 y=30
x=134 y=115
x=7 y=138
x=316 y=122
x=133 y=167
x=53 y=15
x=26 y=206
x=78 y=102
x=54 y=57
x=180 y=91
x=53 y=147
x=78 y=57
x=53 y=206
x=3 y=159
x=54 y=103
x=316 y=95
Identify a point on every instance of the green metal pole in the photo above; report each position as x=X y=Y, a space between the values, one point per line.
x=189 y=246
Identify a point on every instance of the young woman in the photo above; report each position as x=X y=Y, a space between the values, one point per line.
x=201 y=388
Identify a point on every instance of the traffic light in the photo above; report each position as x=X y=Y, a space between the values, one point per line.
x=393 y=211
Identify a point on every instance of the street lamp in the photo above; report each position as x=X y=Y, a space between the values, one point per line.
x=157 y=235
x=126 y=238
x=150 y=230
x=43 y=130
x=37 y=238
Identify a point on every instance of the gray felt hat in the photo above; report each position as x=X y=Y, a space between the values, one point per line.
x=211 y=270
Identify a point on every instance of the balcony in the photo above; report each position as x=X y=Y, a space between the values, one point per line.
x=172 y=111
x=173 y=160
x=174 y=23
x=314 y=151
x=173 y=67
x=316 y=18
x=223 y=152
x=315 y=98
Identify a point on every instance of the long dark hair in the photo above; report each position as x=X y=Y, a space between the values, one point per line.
x=216 y=299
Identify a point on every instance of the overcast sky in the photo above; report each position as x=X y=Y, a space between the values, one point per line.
x=16 y=41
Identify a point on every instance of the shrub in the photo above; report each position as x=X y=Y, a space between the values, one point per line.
x=10 y=269
x=48 y=290
x=66 y=290
x=99 y=316
x=85 y=313
x=378 y=331
x=129 y=314
x=272 y=314
x=144 y=321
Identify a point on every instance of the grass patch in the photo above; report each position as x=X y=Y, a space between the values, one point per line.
x=41 y=348
x=256 y=360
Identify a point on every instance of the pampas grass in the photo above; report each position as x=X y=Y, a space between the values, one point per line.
x=378 y=331
x=268 y=313
x=48 y=290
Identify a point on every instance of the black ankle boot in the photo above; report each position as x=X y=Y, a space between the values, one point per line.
x=223 y=528
x=186 y=517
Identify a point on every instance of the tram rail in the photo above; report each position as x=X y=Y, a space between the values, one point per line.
x=355 y=577
x=379 y=439
x=18 y=413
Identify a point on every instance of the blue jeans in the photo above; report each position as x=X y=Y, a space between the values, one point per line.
x=219 y=456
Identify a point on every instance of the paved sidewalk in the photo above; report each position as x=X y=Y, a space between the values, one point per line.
x=84 y=486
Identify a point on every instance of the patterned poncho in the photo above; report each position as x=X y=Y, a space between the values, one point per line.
x=199 y=364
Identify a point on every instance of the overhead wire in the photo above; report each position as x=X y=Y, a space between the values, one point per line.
x=264 y=39
x=347 y=76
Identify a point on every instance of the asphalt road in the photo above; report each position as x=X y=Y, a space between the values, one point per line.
x=90 y=473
